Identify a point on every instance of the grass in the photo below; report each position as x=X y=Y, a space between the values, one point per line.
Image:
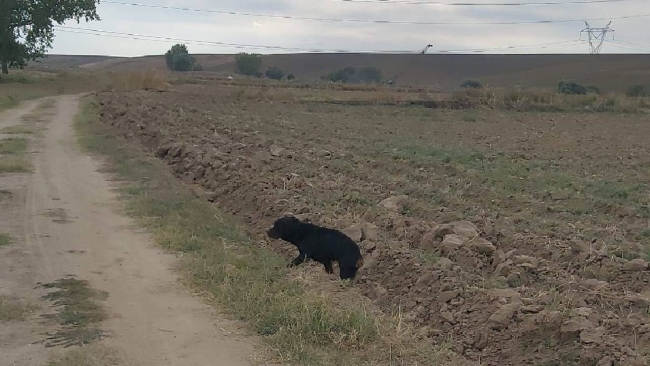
x=250 y=281
x=17 y=130
x=78 y=314
x=13 y=309
x=13 y=146
x=14 y=164
x=5 y=240
x=93 y=355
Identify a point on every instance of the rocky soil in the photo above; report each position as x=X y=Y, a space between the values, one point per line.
x=507 y=277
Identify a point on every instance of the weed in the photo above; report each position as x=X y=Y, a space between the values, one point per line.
x=78 y=313
x=13 y=309
x=14 y=164
x=248 y=280
x=5 y=240
x=13 y=146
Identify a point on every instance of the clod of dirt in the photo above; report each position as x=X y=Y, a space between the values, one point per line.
x=635 y=265
x=592 y=336
x=444 y=263
x=639 y=301
x=276 y=150
x=572 y=328
x=448 y=317
x=502 y=317
x=362 y=232
x=355 y=232
x=481 y=339
x=442 y=231
x=482 y=246
x=606 y=361
x=395 y=203
x=465 y=229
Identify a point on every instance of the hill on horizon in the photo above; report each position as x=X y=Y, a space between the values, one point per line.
x=609 y=72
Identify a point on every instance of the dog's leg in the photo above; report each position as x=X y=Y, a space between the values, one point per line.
x=298 y=261
x=328 y=267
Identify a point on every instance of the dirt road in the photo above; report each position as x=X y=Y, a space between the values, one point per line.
x=64 y=220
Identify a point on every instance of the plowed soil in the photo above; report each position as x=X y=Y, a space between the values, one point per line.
x=521 y=238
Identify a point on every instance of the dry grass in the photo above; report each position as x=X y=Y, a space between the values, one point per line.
x=17 y=130
x=93 y=355
x=13 y=309
x=548 y=100
x=249 y=281
x=140 y=80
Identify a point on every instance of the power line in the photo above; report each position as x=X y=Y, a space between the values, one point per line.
x=135 y=36
x=339 y=20
x=632 y=44
x=439 y=3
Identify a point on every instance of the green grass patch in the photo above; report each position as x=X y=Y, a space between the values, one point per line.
x=13 y=146
x=250 y=282
x=5 y=240
x=13 y=309
x=17 y=130
x=14 y=164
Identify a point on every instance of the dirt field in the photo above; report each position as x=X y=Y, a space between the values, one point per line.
x=520 y=238
x=73 y=272
x=608 y=72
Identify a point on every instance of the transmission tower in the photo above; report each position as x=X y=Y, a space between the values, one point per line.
x=596 y=37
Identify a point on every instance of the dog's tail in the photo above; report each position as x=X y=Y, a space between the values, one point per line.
x=360 y=262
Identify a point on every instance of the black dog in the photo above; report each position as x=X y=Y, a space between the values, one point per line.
x=320 y=244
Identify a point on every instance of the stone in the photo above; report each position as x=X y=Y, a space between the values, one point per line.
x=606 y=361
x=444 y=263
x=635 y=265
x=482 y=246
x=452 y=241
x=532 y=309
x=465 y=229
x=508 y=293
x=425 y=280
x=448 y=317
x=395 y=203
x=276 y=150
x=502 y=317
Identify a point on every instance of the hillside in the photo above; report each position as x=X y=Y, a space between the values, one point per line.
x=609 y=72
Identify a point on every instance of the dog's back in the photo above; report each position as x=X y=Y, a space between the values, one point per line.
x=333 y=245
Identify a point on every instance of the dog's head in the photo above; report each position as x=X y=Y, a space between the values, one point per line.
x=284 y=227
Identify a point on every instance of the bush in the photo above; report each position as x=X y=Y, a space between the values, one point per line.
x=570 y=87
x=592 y=89
x=198 y=67
x=291 y=77
x=182 y=62
x=638 y=91
x=274 y=73
x=248 y=63
x=471 y=84
x=178 y=58
x=353 y=75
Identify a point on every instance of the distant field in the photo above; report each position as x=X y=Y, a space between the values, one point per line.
x=608 y=72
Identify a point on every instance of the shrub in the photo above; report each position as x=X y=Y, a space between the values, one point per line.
x=183 y=62
x=291 y=77
x=471 y=84
x=198 y=67
x=638 y=90
x=570 y=87
x=274 y=73
x=592 y=89
x=353 y=75
x=179 y=54
x=248 y=63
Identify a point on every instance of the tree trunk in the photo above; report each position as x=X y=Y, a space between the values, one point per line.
x=5 y=67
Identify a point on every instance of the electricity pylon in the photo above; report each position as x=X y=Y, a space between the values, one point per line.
x=596 y=37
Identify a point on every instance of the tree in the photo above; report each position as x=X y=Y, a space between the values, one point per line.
x=571 y=87
x=274 y=73
x=178 y=58
x=291 y=77
x=248 y=63
x=182 y=62
x=27 y=26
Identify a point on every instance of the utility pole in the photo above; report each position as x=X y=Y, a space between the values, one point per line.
x=596 y=37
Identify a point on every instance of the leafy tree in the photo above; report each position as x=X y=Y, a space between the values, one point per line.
x=182 y=62
x=248 y=63
x=27 y=26
x=178 y=58
x=353 y=75
x=274 y=73
x=291 y=77
x=471 y=84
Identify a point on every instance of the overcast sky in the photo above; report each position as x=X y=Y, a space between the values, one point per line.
x=321 y=35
